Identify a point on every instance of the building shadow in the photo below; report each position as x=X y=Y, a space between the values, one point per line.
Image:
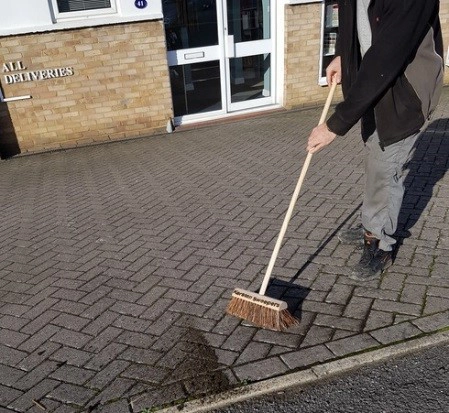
x=9 y=145
x=429 y=163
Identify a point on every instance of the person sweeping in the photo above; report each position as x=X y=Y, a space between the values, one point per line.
x=390 y=63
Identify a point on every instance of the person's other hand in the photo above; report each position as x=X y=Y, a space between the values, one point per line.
x=333 y=71
x=320 y=137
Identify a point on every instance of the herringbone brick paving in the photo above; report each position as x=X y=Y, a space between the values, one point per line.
x=118 y=260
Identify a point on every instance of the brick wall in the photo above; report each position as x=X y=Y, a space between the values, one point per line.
x=302 y=45
x=302 y=41
x=119 y=88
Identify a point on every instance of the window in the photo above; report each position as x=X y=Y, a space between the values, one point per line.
x=82 y=8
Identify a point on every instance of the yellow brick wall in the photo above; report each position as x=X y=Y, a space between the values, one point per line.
x=302 y=46
x=302 y=43
x=120 y=87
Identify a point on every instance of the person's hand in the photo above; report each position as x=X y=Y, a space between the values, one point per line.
x=320 y=137
x=333 y=71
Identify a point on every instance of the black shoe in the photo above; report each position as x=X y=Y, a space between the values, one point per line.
x=352 y=236
x=375 y=267
x=370 y=247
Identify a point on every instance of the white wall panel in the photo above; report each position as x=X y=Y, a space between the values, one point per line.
x=27 y=16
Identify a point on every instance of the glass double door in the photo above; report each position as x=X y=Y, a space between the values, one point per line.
x=219 y=55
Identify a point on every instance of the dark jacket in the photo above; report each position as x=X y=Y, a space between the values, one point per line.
x=397 y=85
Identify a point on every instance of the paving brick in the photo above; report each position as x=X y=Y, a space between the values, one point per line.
x=105 y=356
x=433 y=322
x=70 y=321
x=239 y=338
x=70 y=338
x=72 y=374
x=414 y=294
x=104 y=338
x=71 y=394
x=12 y=338
x=435 y=304
x=261 y=369
x=43 y=305
x=395 y=333
x=71 y=356
x=397 y=307
x=138 y=340
x=339 y=294
x=253 y=351
x=101 y=322
x=9 y=375
x=358 y=307
x=11 y=356
x=344 y=323
x=39 y=355
x=307 y=357
x=7 y=395
x=352 y=344
x=38 y=391
x=157 y=397
x=317 y=335
x=146 y=373
x=114 y=391
x=12 y=323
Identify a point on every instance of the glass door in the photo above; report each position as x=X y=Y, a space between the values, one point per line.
x=248 y=51
x=219 y=54
x=193 y=30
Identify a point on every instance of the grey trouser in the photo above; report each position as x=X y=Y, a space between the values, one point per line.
x=385 y=173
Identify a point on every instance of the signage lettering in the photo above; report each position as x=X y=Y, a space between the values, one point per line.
x=31 y=76
x=13 y=66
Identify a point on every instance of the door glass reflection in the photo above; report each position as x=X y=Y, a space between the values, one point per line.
x=249 y=20
x=250 y=78
x=196 y=88
x=190 y=23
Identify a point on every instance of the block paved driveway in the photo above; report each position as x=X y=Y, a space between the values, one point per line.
x=118 y=260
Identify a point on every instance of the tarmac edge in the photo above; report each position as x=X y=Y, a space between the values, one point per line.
x=311 y=375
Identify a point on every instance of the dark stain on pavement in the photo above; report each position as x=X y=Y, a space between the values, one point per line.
x=200 y=368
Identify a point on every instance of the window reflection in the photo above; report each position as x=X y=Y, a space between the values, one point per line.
x=249 y=19
x=196 y=88
x=251 y=78
x=190 y=23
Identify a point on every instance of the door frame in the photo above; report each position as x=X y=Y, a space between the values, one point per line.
x=246 y=49
x=221 y=53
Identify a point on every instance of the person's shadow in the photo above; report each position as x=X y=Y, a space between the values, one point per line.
x=429 y=163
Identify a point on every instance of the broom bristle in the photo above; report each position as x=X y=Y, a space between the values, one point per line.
x=261 y=311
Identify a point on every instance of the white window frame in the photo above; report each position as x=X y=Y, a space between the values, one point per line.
x=83 y=14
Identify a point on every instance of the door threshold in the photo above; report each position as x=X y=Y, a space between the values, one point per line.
x=228 y=117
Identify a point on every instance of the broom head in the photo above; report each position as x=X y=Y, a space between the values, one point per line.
x=260 y=310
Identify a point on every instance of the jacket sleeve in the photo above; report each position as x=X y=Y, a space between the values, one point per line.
x=397 y=34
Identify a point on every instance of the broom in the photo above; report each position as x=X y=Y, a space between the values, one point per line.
x=258 y=309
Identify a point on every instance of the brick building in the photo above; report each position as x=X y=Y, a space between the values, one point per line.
x=76 y=72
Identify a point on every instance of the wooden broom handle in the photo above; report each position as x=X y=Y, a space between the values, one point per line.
x=289 y=213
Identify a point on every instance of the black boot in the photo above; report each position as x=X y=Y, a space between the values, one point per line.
x=373 y=262
x=370 y=247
